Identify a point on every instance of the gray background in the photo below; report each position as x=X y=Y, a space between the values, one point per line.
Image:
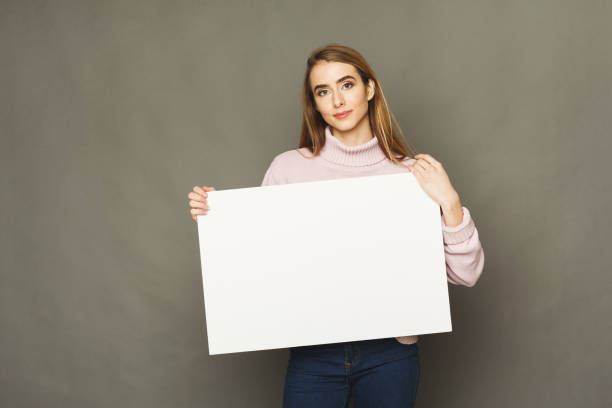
x=112 y=111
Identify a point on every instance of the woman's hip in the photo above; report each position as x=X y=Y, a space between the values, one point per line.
x=346 y=357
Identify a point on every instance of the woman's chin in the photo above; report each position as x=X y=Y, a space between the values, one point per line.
x=344 y=125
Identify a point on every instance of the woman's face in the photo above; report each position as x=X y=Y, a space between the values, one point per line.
x=336 y=88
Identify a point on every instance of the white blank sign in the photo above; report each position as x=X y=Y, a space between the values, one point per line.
x=322 y=262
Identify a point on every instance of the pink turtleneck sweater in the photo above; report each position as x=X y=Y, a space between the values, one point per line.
x=462 y=248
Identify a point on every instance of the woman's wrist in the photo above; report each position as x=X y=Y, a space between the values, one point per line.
x=452 y=210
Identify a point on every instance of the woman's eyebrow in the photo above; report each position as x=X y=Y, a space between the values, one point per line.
x=338 y=81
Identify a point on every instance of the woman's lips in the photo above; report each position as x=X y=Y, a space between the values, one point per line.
x=342 y=115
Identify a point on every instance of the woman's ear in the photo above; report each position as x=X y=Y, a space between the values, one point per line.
x=371 y=89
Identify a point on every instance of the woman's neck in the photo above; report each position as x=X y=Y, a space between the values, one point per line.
x=360 y=134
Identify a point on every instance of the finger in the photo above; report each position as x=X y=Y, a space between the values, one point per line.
x=426 y=158
x=198 y=204
x=203 y=190
x=196 y=211
x=199 y=190
x=423 y=164
x=194 y=217
x=429 y=159
x=195 y=196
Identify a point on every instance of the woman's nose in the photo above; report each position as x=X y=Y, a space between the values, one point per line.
x=338 y=101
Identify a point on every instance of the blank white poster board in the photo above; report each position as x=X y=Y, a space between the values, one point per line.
x=322 y=262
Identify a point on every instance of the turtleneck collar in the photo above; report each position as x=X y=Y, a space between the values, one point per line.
x=365 y=154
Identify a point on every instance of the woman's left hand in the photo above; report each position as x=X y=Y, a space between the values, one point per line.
x=433 y=179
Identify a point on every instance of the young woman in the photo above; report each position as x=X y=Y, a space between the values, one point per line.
x=349 y=131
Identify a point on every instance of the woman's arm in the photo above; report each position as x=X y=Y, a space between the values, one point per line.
x=463 y=251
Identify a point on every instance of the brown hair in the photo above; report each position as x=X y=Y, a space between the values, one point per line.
x=382 y=121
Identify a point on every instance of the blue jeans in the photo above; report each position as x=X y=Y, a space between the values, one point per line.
x=375 y=373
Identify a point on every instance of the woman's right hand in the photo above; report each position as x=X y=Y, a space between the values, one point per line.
x=198 y=203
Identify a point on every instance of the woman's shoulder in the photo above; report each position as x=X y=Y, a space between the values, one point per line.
x=287 y=166
x=292 y=156
x=304 y=152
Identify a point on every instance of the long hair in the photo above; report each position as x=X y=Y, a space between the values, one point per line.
x=382 y=121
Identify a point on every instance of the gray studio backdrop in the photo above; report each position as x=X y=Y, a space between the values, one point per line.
x=112 y=111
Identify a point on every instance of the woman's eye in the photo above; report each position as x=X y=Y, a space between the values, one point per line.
x=320 y=93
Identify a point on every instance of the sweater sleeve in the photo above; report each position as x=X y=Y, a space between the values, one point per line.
x=463 y=251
